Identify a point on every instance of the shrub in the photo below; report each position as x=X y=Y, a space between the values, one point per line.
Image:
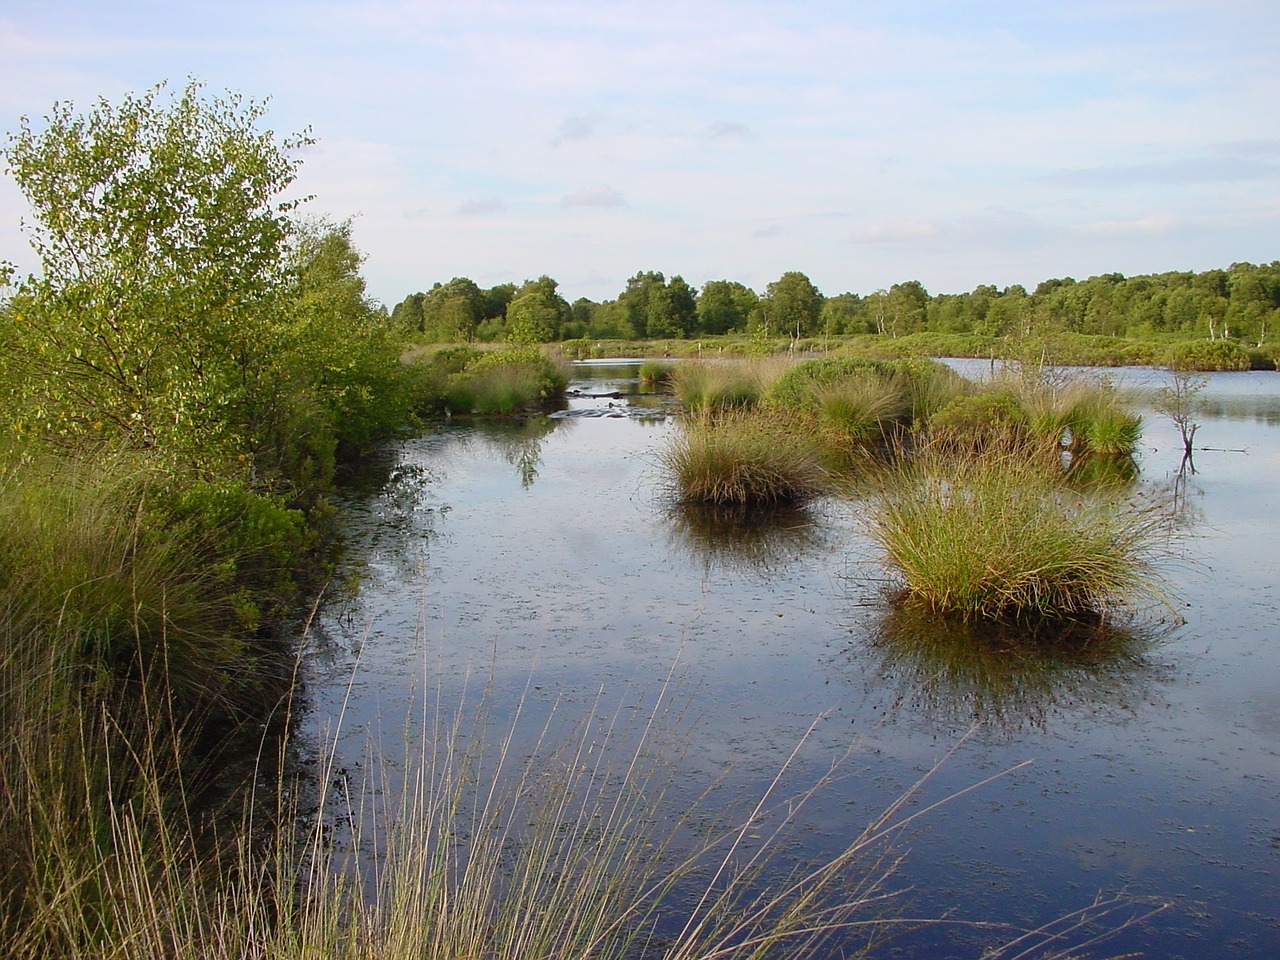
x=795 y=388
x=743 y=458
x=976 y=421
x=995 y=534
x=1208 y=355
x=506 y=381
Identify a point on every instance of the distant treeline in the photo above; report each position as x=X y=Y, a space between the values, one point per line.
x=1240 y=303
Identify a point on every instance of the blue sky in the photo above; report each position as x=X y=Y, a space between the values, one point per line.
x=864 y=143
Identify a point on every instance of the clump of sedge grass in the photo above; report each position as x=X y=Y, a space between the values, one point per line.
x=996 y=534
x=507 y=381
x=724 y=385
x=860 y=408
x=1101 y=424
x=654 y=374
x=742 y=457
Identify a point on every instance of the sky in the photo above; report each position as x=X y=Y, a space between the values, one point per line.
x=864 y=143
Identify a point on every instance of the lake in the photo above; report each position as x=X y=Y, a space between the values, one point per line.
x=544 y=560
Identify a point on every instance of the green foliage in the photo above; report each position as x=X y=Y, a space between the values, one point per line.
x=87 y=574
x=257 y=547
x=506 y=381
x=995 y=534
x=537 y=313
x=791 y=306
x=795 y=388
x=725 y=306
x=744 y=457
x=337 y=346
x=1208 y=355
x=162 y=248
x=979 y=420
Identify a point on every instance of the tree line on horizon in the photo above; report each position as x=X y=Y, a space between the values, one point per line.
x=1241 y=302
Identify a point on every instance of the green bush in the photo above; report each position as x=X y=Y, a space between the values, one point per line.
x=1208 y=355
x=259 y=549
x=506 y=381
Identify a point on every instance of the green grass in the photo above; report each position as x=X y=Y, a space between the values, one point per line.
x=122 y=662
x=744 y=457
x=996 y=534
x=654 y=374
x=726 y=384
x=507 y=381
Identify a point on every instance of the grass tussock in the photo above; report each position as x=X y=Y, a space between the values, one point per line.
x=997 y=534
x=744 y=457
x=656 y=374
x=504 y=382
x=727 y=384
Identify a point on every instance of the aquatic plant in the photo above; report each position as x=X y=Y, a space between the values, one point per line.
x=656 y=373
x=995 y=533
x=1101 y=423
x=726 y=384
x=744 y=457
x=860 y=408
x=506 y=381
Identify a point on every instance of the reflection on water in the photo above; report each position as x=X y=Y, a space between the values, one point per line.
x=744 y=538
x=520 y=441
x=1095 y=472
x=1007 y=676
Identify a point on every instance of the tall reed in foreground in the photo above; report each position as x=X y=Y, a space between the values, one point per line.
x=995 y=533
x=118 y=647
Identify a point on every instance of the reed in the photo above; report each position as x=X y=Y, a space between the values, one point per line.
x=860 y=409
x=507 y=381
x=726 y=384
x=1102 y=423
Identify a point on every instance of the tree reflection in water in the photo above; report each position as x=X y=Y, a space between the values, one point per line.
x=519 y=440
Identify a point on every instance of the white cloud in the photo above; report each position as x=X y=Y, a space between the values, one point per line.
x=483 y=207
x=597 y=196
x=1143 y=226
x=898 y=231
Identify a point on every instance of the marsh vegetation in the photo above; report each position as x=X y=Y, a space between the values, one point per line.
x=191 y=389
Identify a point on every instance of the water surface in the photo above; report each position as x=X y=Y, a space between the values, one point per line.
x=545 y=557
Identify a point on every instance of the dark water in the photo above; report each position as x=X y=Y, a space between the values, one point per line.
x=545 y=557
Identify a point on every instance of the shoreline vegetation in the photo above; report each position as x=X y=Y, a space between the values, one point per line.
x=181 y=387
